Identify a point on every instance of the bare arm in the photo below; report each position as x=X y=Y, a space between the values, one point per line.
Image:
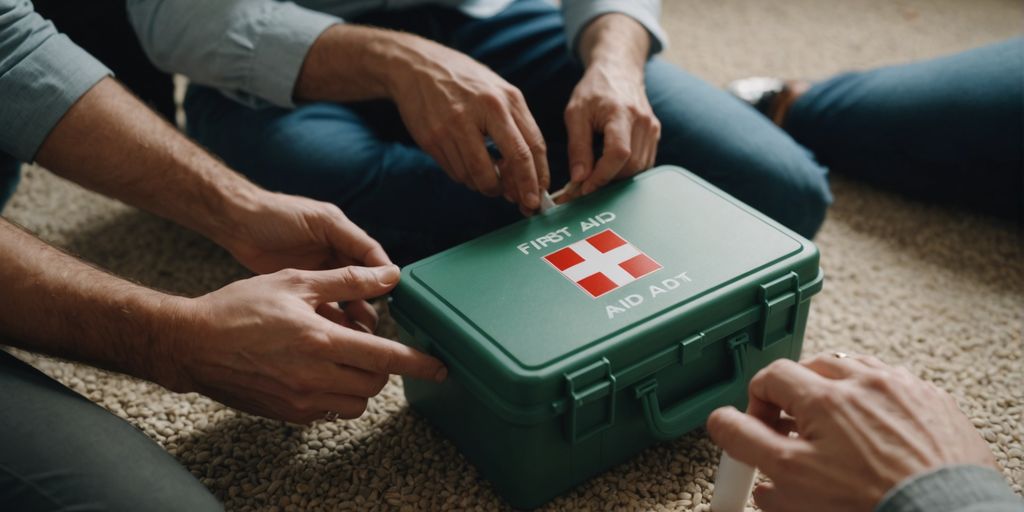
x=110 y=142
x=140 y=159
x=615 y=39
x=61 y=306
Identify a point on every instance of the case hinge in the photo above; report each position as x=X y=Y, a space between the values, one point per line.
x=591 y=400
x=780 y=299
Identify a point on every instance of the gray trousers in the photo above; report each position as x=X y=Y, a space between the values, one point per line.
x=59 y=451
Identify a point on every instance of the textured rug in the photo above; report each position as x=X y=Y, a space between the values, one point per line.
x=938 y=290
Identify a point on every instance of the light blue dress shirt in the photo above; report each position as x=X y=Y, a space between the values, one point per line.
x=42 y=74
x=252 y=50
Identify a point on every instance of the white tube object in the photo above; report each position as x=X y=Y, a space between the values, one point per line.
x=546 y=203
x=733 y=484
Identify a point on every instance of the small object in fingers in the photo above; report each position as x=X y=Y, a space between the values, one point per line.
x=546 y=202
x=732 y=485
x=331 y=416
x=840 y=355
x=566 y=193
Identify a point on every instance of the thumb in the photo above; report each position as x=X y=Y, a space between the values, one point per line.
x=353 y=283
x=747 y=439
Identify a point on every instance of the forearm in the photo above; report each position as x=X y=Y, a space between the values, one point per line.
x=113 y=144
x=58 y=305
x=354 y=63
x=615 y=39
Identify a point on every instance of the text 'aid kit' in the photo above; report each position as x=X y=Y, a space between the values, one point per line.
x=576 y=338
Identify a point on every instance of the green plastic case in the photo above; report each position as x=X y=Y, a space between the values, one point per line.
x=555 y=373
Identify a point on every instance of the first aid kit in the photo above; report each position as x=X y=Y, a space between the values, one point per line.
x=577 y=338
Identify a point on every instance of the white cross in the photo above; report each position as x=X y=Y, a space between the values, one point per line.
x=607 y=263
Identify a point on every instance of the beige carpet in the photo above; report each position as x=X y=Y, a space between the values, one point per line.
x=937 y=290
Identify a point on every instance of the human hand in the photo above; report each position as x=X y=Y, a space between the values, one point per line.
x=611 y=100
x=861 y=426
x=613 y=103
x=268 y=232
x=276 y=346
x=450 y=102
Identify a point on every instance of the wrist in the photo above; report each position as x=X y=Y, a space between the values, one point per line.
x=350 y=63
x=615 y=69
x=397 y=60
x=227 y=212
x=615 y=40
x=171 y=335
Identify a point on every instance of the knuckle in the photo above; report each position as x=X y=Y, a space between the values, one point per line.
x=787 y=460
x=353 y=276
x=538 y=147
x=618 y=151
x=492 y=100
x=386 y=361
x=521 y=154
x=829 y=401
x=879 y=381
x=515 y=95
x=291 y=276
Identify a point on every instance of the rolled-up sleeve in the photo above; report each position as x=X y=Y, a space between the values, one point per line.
x=579 y=14
x=959 y=488
x=252 y=50
x=42 y=74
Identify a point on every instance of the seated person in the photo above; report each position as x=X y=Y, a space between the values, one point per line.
x=946 y=129
x=385 y=111
x=276 y=345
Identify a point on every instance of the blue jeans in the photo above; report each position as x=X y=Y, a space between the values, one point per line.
x=949 y=129
x=360 y=157
x=10 y=174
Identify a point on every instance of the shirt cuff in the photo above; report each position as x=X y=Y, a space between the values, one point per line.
x=285 y=36
x=579 y=14
x=40 y=89
x=960 y=488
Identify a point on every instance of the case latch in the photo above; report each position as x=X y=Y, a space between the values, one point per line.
x=779 y=314
x=592 y=400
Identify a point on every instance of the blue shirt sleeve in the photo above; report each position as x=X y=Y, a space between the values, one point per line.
x=579 y=14
x=42 y=74
x=252 y=50
x=960 y=488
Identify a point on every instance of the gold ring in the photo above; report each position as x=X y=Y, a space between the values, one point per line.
x=840 y=355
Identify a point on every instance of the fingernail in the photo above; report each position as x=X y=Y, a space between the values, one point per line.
x=532 y=200
x=441 y=374
x=388 y=275
x=576 y=173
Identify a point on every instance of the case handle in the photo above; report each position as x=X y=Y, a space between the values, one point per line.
x=683 y=417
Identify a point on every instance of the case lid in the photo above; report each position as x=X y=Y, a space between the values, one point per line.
x=517 y=304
